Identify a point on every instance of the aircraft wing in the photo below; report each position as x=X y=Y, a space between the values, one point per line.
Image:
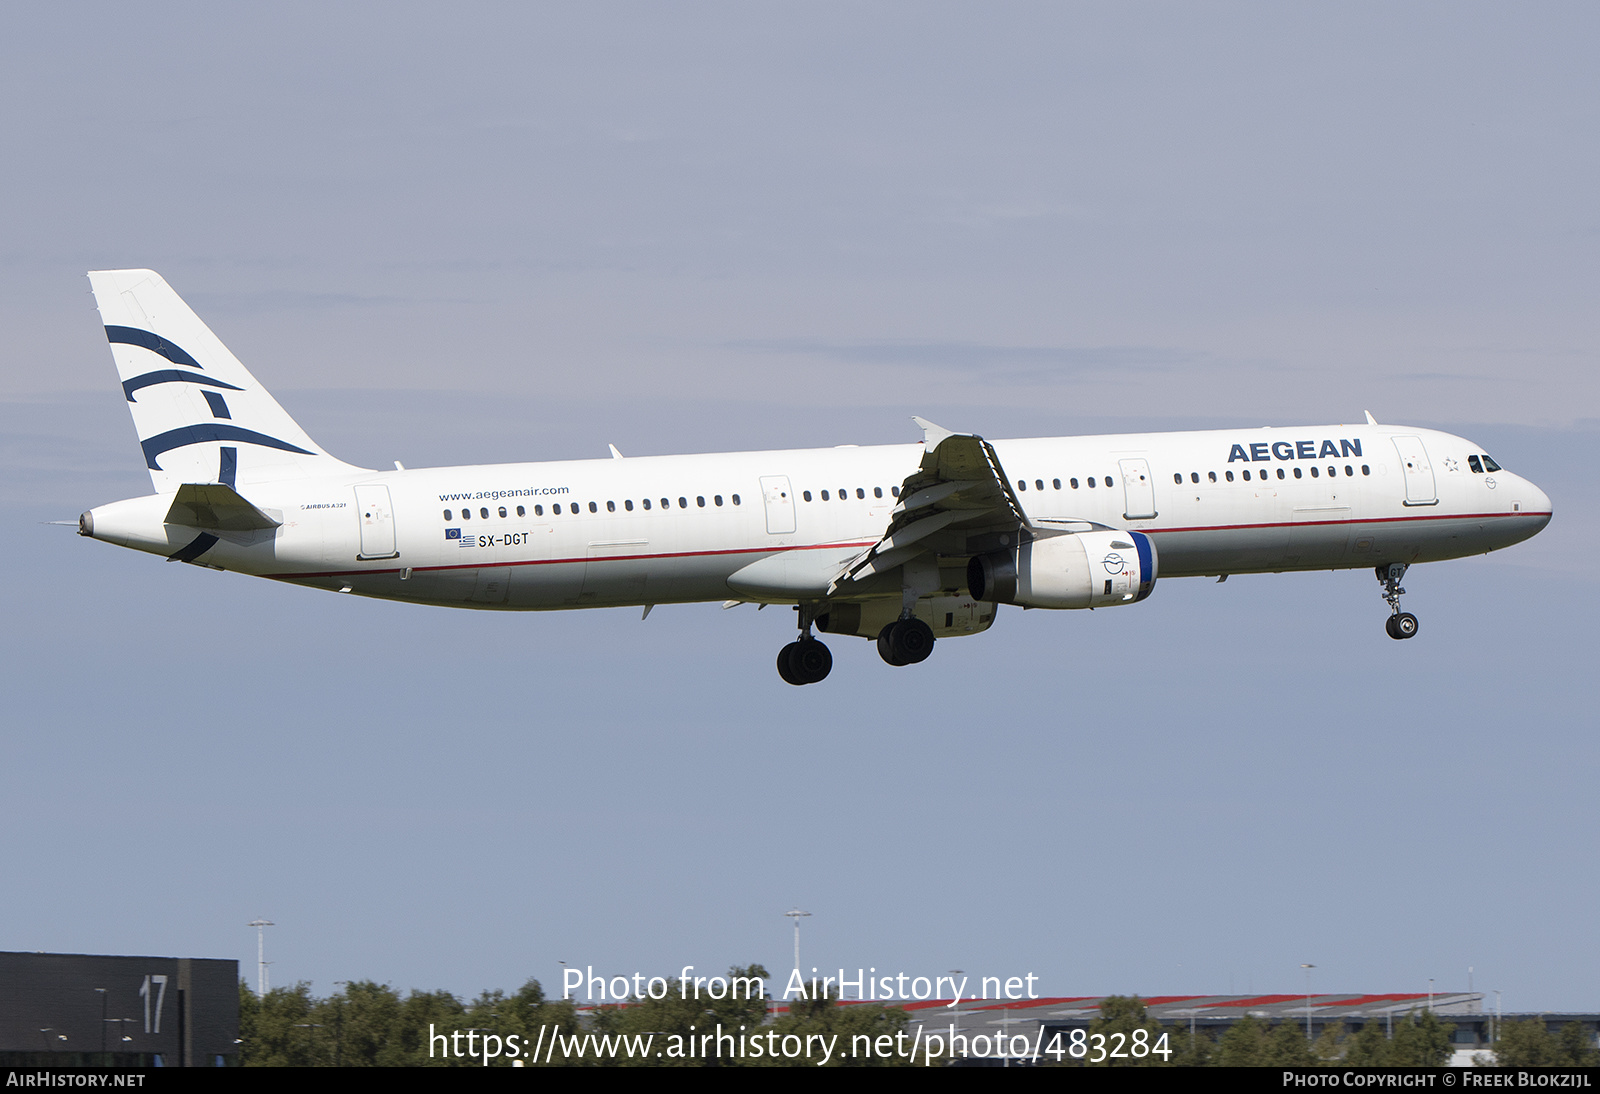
x=958 y=494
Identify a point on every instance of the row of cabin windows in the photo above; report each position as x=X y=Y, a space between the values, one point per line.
x=594 y=507
x=844 y=493
x=1038 y=484
x=1333 y=472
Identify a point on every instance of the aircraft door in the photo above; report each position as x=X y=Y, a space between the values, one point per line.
x=1138 y=490
x=1420 y=487
x=377 y=522
x=779 y=500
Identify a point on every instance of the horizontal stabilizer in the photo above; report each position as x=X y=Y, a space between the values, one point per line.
x=216 y=505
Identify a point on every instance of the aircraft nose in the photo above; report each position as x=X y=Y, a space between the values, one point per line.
x=1539 y=503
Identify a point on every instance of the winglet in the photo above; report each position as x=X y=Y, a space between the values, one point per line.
x=614 y=453
x=931 y=434
x=1370 y=419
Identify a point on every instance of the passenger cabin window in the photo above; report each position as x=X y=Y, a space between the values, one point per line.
x=1108 y=481
x=1177 y=477
x=735 y=499
x=700 y=501
x=1022 y=484
x=683 y=503
x=484 y=513
x=1229 y=474
x=806 y=494
x=717 y=498
x=538 y=510
x=628 y=505
x=448 y=517
x=824 y=495
x=1212 y=475
x=502 y=512
x=611 y=507
x=1073 y=483
x=521 y=512
x=1297 y=473
x=593 y=508
x=1057 y=483
x=877 y=491
x=861 y=494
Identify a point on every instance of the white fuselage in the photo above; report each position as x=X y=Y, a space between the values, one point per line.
x=664 y=529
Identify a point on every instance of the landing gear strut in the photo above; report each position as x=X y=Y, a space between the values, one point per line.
x=805 y=661
x=1400 y=624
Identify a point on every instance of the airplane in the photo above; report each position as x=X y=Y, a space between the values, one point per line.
x=898 y=544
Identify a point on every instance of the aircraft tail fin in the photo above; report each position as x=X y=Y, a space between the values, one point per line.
x=200 y=415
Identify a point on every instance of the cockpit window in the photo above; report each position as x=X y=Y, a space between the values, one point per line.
x=1476 y=464
x=1488 y=464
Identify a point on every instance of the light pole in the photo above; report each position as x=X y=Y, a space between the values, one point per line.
x=1308 y=969
x=796 y=914
x=261 y=926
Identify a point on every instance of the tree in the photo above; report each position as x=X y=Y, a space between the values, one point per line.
x=1420 y=1040
x=1369 y=1047
x=1526 y=1043
x=283 y=1032
x=1328 y=1049
x=1121 y=1019
x=1288 y=1047
x=1191 y=1050
x=1578 y=1046
x=1245 y=1045
x=856 y=1031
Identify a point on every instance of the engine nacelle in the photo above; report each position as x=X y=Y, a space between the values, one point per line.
x=1085 y=570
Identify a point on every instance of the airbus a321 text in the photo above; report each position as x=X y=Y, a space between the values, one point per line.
x=901 y=544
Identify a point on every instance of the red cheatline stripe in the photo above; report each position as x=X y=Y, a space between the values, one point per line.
x=580 y=558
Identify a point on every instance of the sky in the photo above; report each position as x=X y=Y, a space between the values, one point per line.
x=513 y=232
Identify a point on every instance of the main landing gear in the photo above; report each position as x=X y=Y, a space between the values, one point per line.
x=905 y=642
x=1400 y=624
x=804 y=661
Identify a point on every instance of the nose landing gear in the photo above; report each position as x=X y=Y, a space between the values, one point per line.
x=1399 y=624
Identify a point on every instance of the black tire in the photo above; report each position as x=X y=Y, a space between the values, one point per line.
x=810 y=661
x=1405 y=625
x=886 y=644
x=912 y=641
x=1388 y=627
x=785 y=670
